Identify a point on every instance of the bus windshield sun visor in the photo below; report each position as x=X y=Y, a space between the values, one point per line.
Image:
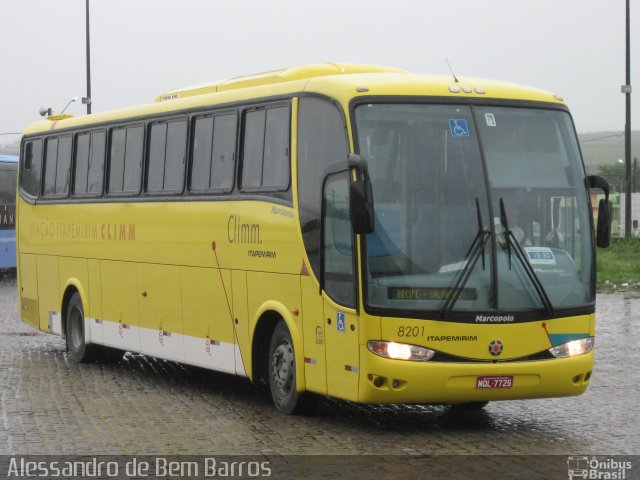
x=512 y=245
x=471 y=258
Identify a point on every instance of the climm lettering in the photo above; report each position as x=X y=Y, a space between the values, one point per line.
x=118 y=231
x=239 y=232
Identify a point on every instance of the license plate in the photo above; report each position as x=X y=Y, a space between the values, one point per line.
x=494 y=381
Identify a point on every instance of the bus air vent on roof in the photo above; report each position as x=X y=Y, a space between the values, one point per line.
x=275 y=76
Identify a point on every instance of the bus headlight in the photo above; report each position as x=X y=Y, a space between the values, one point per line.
x=400 y=351
x=573 y=348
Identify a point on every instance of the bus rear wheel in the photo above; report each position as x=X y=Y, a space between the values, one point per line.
x=282 y=375
x=79 y=350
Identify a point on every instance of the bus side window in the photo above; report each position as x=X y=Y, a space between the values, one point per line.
x=32 y=167
x=50 y=162
x=63 y=169
x=253 y=150
x=322 y=147
x=167 y=146
x=174 y=162
x=265 y=162
x=125 y=160
x=223 y=156
x=96 y=163
x=57 y=162
x=213 y=153
x=156 y=152
x=201 y=145
x=89 y=163
x=133 y=159
x=275 y=166
x=116 y=160
x=81 y=164
x=339 y=276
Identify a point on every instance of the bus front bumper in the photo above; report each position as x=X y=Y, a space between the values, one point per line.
x=385 y=380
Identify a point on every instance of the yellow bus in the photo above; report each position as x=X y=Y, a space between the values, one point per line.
x=345 y=230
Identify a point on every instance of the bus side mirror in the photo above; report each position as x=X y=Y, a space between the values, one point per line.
x=605 y=211
x=360 y=196
x=603 y=227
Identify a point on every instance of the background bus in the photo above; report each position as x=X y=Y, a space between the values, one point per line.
x=8 y=181
x=345 y=230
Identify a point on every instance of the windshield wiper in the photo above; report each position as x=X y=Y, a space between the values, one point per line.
x=513 y=244
x=473 y=254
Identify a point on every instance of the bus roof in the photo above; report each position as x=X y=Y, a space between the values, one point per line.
x=340 y=81
x=8 y=158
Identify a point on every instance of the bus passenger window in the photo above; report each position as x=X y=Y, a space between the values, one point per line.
x=56 y=166
x=175 y=156
x=50 y=162
x=64 y=166
x=157 y=144
x=82 y=164
x=213 y=153
x=202 y=135
x=32 y=168
x=167 y=146
x=253 y=149
x=125 y=160
x=222 y=159
x=96 y=163
x=116 y=160
x=265 y=163
x=133 y=160
x=275 y=169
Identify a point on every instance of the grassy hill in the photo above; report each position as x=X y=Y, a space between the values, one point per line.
x=9 y=148
x=605 y=148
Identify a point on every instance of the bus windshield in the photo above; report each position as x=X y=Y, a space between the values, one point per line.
x=476 y=208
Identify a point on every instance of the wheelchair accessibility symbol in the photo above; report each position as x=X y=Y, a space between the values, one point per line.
x=459 y=128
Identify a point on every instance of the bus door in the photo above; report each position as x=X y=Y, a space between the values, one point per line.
x=339 y=290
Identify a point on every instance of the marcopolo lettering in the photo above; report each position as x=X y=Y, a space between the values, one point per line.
x=494 y=318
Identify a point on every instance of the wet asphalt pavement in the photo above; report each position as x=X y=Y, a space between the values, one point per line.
x=142 y=406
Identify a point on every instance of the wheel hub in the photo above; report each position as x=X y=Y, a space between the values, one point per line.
x=75 y=332
x=282 y=364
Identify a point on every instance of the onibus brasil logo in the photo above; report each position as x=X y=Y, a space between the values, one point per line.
x=600 y=468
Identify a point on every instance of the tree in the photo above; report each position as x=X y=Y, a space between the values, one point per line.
x=615 y=175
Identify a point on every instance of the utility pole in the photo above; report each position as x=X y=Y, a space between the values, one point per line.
x=626 y=89
x=88 y=97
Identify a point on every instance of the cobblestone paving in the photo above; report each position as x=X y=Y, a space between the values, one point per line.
x=50 y=405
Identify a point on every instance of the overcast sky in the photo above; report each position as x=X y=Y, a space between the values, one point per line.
x=140 y=48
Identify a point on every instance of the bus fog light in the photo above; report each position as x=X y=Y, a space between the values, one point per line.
x=400 y=351
x=573 y=348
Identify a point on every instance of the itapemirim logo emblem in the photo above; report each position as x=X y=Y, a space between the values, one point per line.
x=495 y=347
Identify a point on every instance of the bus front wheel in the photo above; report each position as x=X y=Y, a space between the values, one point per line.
x=282 y=375
x=79 y=350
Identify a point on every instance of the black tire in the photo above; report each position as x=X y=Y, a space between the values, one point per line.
x=282 y=375
x=469 y=407
x=79 y=350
